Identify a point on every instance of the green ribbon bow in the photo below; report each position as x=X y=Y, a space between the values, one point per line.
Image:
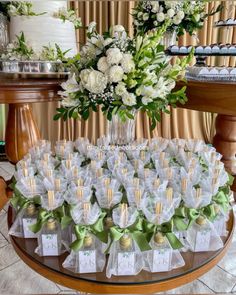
x=96 y=229
x=221 y=198
x=19 y=202
x=179 y=219
x=43 y=216
x=167 y=230
x=117 y=233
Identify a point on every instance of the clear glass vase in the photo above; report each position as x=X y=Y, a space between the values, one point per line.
x=119 y=132
x=169 y=39
x=4 y=38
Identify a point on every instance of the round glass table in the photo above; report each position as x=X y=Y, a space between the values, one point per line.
x=196 y=264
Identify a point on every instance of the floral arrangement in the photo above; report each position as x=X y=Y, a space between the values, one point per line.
x=20 y=50
x=69 y=15
x=167 y=185
x=26 y=8
x=185 y=16
x=21 y=8
x=122 y=75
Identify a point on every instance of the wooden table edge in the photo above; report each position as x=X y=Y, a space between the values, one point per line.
x=100 y=288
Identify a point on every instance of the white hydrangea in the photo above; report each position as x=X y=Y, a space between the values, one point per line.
x=94 y=81
x=120 y=89
x=114 y=56
x=115 y=74
x=155 y=6
x=145 y=16
x=127 y=63
x=102 y=65
x=129 y=99
x=180 y=14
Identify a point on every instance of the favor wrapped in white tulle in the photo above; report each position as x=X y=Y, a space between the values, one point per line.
x=196 y=198
x=108 y=183
x=63 y=148
x=82 y=144
x=82 y=215
x=30 y=187
x=155 y=186
x=202 y=236
x=24 y=219
x=125 y=256
x=159 y=144
x=124 y=173
x=107 y=197
x=78 y=194
x=52 y=200
x=24 y=173
x=135 y=196
x=194 y=146
x=89 y=257
x=162 y=257
x=57 y=184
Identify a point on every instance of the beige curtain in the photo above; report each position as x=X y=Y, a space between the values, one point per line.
x=181 y=123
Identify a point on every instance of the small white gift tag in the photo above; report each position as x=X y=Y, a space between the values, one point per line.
x=27 y=232
x=161 y=260
x=219 y=225
x=202 y=242
x=50 y=245
x=87 y=261
x=126 y=261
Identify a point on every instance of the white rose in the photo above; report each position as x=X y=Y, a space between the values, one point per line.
x=170 y=12
x=102 y=65
x=145 y=16
x=146 y=100
x=93 y=81
x=120 y=89
x=129 y=99
x=12 y=10
x=115 y=74
x=160 y=17
x=127 y=63
x=180 y=14
x=114 y=56
x=176 y=20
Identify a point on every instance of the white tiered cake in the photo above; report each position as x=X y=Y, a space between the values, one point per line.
x=45 y=29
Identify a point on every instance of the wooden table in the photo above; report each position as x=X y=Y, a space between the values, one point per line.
x=217 y=97
x=22 y=131
x=196 y=264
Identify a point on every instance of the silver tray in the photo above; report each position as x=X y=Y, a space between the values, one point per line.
x=33 y=68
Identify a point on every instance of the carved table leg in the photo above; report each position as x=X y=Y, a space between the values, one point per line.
x=21 y=131
x=225 y=143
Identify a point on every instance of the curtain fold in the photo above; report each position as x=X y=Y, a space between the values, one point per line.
x=181 y=122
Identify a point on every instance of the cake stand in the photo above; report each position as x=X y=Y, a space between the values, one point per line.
x=144 y=283
x=22 y=131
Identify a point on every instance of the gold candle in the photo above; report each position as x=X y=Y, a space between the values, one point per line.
x=109 y=196
x=165 y=163
x=100 y=155
x=49 y=173
x=142 y=155
x=51 y=199
x=70 y=156
x=169 y=194
x=124 y=214
x=57 y=184
x=137 y=196
x=184 y=185
x=162 y=157
x=32 y=184
x=107 y=181
x=80 y=182
x=25 y=172
x=23 y=164
x=68 y=164
x=99 y=172
x=158 y=208
x=198 y=193
x=80 y=194
x=136 y=182
x=75 y=171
